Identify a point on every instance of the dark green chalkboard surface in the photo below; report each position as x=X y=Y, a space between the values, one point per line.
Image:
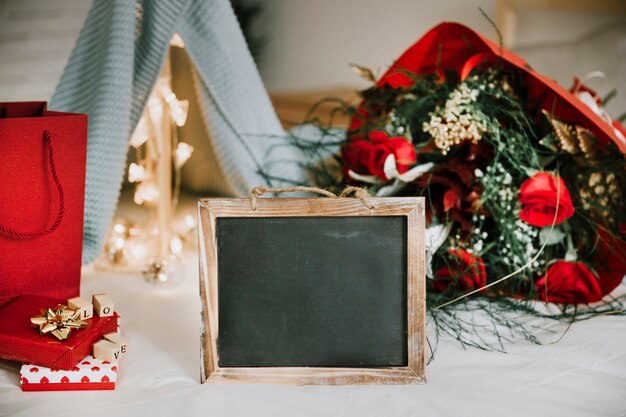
x=312 y=291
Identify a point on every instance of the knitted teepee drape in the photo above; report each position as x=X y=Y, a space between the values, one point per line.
x=111 y=72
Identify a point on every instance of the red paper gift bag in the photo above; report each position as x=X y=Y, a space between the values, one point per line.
x=42 y=188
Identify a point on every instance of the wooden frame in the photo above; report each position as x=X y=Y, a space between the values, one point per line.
x=209 y=210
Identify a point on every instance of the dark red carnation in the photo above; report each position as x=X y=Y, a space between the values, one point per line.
x=451 y=188
x=569 y=283
x=464 y=272
x=545 y=199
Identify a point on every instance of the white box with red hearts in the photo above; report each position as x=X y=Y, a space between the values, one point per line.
x=90 y=374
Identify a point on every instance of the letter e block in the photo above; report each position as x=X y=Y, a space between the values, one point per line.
x=103 y=305
x=106 y=351
x=84 y=306
x=118 y=340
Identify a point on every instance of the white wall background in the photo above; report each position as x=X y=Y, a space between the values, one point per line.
x=311 y=42
x=36 y=39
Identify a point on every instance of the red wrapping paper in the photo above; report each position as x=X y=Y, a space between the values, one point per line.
x=452 y=46
x=30 y=202
x=19 y=341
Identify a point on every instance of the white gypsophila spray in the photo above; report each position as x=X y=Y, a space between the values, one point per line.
x=457 y=121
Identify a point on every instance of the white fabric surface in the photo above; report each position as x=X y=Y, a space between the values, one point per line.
x=582 y=375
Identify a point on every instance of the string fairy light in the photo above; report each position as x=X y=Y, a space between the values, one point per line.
x=136 y=173
x=154 y=248
x=183 y=153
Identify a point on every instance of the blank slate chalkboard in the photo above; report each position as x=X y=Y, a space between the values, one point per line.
x=312 y=290
x=313 y=286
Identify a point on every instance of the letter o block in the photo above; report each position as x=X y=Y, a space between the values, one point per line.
x=103 y=305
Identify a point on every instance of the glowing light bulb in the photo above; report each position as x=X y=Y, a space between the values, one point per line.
x=139 y=251
x=134 y=230
x=180 y=110
x=119 y=243
x=146 y=193
x=119 y=228
x=136 y=172
x=190 y=222
x=155 y=111
x=176 y=245
x=140 y=135
x=183 y=153
x=177 y=41
x=167 y=93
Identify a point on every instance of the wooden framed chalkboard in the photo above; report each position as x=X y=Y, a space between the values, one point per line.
x=313 y=290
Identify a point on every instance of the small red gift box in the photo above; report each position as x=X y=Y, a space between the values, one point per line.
x=89 y=374
x=19 y=341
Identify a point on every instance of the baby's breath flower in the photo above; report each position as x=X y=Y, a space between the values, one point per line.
x=457 y=121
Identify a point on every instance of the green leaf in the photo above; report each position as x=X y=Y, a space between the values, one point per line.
x=549 y=142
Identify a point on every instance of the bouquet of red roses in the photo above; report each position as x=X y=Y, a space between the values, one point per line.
x=525 y=182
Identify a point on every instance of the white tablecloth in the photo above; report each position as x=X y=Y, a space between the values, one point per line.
x=582 y=375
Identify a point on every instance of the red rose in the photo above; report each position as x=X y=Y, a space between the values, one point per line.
x=465 y=272
x=569 y=283
x=539 y=195
x=368 y=156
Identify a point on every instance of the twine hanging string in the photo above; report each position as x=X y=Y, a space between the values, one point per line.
x=520 y=269
x=57 y=222
x=357 y=192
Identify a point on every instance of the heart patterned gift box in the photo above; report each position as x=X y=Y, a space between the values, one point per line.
x=89 y=374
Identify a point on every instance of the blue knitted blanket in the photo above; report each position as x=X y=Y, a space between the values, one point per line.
x=110 y=74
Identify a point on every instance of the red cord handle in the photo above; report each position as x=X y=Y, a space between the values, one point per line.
x=31 y=235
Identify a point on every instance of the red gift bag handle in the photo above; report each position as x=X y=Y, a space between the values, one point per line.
x=30 y=235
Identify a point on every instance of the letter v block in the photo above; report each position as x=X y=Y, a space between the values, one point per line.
x=118 y=340
x=106 y=351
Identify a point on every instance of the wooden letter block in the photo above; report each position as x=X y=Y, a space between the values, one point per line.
x=106 y=351
x=103 y=305
x=118 y=340
x=85 y=307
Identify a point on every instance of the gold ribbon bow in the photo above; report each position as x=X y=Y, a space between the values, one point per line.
x=58 y=321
